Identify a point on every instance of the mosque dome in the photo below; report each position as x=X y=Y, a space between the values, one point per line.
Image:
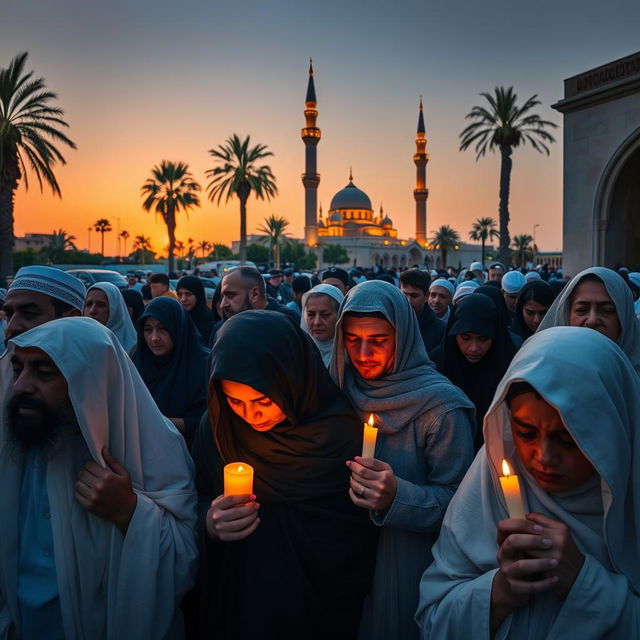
x=335 y=217
x=350 y=198
x=387 y=222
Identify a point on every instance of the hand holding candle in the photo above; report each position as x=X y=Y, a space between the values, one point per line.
x=238 y=479
x=511 y=491
x=369 y=439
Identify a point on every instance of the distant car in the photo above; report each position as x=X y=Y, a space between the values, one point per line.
x=91 y=276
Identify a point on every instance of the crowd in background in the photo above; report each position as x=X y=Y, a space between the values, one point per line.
x=123 y=406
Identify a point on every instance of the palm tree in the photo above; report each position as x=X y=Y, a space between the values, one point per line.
x=237 y=174
x=204 y=247
x=29 y=128
x=274 y=229
x=522 y=251
x=142 y=244
x=60 y=242
x=125 y=236
x=171 y=189
x=483 y=229
x=504 y=126
x=102 y=226
x=445 y=239
x=180 y=248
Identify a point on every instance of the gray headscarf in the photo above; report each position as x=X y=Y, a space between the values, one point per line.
x=324 y=346
x=413 y=386
x=620 y=294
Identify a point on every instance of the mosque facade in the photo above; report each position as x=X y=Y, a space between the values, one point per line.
x=368 y=237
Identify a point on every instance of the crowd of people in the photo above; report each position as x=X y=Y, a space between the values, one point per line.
x=122 y=408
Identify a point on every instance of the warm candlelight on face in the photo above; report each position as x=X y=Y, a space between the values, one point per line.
x=369 y=440
x=511 y=491
x=238 y=479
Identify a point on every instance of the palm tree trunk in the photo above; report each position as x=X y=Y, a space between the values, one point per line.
x=444 y=259
x=505 y=185
x=483 y=251
x=276 y=254
x=102 y=241
x=244 y=189
x=171 y=229
x=9 y=177
x=6 y=231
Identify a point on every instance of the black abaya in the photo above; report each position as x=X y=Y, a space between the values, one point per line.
x=305 y=570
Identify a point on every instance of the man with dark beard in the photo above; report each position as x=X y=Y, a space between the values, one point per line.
x=98 y=511
x=244 y=289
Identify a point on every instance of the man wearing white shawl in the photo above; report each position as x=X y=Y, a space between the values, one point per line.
x=117 y=314
x=553 y=596
x=113 y=568
x=591 y=308
x=319 y=315
x=424 y=446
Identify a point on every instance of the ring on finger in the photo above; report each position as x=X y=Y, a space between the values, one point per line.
x=362 y=491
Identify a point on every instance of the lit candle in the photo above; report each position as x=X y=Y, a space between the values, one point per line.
x=369 y=440
x=238 y=479
x=511 y=491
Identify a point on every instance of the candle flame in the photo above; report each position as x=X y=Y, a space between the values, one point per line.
x=371 y=420
x=240 y=468
x=506 y=469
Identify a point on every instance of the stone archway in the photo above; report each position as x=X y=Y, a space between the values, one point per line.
x=617 y=208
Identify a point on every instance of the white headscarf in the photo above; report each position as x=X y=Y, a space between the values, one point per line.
x=119 y=319
x=324 y=346
x=587 y=378
x=620 y=294
x=134 y=582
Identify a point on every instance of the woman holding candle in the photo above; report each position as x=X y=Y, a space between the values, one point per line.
x=565 y=415
x=423 y=447
x=293 y=557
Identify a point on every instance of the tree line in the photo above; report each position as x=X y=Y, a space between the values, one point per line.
x=32 y=134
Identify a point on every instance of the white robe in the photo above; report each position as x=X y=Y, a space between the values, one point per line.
x=591 y=383
x=111 y=586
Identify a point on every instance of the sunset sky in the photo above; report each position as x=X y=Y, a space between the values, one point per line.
x=144 y=81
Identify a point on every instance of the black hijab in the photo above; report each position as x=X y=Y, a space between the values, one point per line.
x=479 y=380
x=538 y=291
x=200 y=314
x=177 y=381
x=493 y=292
x=133 y=300
x=306 y=568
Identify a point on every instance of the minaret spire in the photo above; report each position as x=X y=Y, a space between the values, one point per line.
x=311 y=178
x=421 y=193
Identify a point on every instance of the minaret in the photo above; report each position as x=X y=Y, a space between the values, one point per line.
x=421 y=193
x=311 y=177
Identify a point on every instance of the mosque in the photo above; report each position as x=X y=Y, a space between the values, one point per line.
x=369 y=238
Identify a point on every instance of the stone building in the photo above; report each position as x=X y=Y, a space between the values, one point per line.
x=601 y=210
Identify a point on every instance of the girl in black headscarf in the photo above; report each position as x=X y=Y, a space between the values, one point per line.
x=533 y=303
x=293 y=559
x=135 y=303
x=193 y=298
x=495 y=294
x=173 y=363
x=475 y=352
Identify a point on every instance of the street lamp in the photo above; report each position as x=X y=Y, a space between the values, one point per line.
x=535 y=249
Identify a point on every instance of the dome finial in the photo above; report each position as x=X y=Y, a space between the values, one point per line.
x=350 y=175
